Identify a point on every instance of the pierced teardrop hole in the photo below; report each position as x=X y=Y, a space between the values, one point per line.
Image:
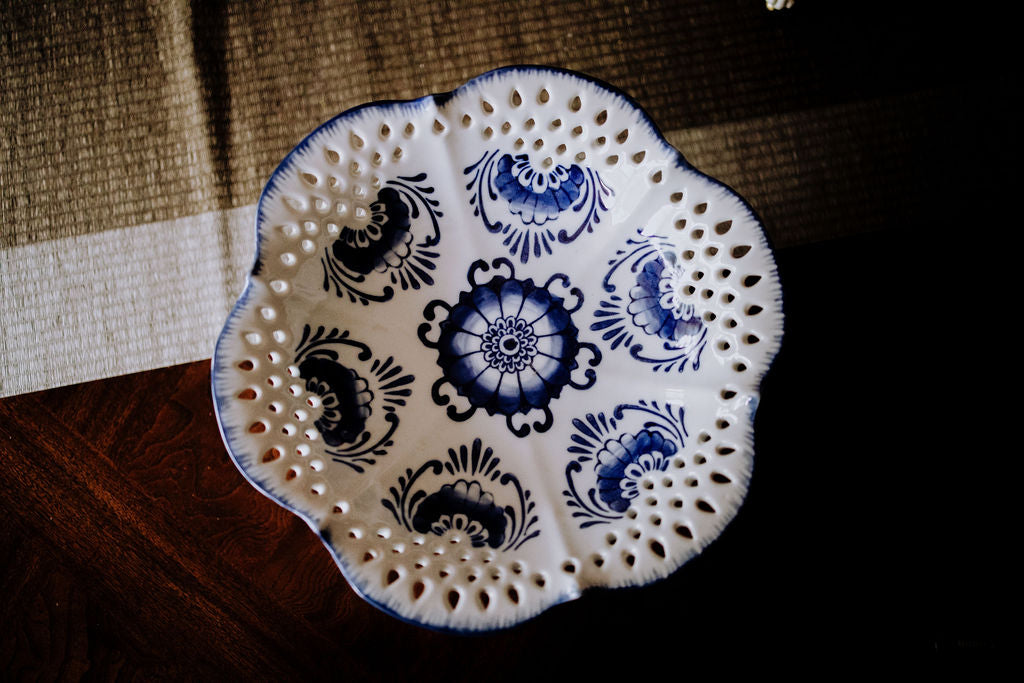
x=656 y=178
x=438 y=126
x=246 y=365
x=751 y=339
x=723 y=227
x=720 y=478
x=622 y=136
x=556 y=124
x=513 y=595
x=598 y=561
x=506 y=127
x=613 y=159
x=467 y=120
x=417 y=590
x=569 y=568
x=753 y=309
x=630 y=559
x=751 y=280
x=385 y=130
x=332 y=156
x=658 y=549
x=676 y=197
x=257 y=427
x=308 y=178
x=540 y=581
x=410 y=129
x=740 y=250
x=681 y=224
x=639 y=157
x=705 y=506
x=368 y=556
x=487 y=106
x=700 y=208
x=575 y=104
x=516 y=98
x=529 y=124
x=711 y=251
x=485 y=599
x=391 y=577
x=601 y=117
x=684 y=531
x=247 y=394
x=543 y=96
x=453 y=598
x=577 y=131
x=728 y=394
x=271 y=455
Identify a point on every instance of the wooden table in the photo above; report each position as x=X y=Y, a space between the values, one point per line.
x=132 y=547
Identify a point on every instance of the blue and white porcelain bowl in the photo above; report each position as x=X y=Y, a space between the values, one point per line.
x=499 y=345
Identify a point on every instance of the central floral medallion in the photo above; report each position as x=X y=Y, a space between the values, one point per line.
x=509 y=346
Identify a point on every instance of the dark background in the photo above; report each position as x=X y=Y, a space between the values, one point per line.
x=878 y=517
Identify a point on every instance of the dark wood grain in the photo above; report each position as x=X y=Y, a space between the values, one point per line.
x=133 y=548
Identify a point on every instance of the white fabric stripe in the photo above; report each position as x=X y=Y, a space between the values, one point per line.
x=120 y=301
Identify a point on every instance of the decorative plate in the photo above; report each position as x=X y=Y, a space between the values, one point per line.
x=499 y=345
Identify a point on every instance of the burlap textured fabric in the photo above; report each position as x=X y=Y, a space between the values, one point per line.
x=136 y=137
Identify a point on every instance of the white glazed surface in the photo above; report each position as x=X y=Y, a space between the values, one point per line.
x=466 y=513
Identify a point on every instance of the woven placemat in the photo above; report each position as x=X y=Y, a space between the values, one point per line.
x=137 y=136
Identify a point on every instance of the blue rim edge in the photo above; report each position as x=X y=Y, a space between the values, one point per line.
x=440 y=100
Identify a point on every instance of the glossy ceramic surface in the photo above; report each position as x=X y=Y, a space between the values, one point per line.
x=498 y=346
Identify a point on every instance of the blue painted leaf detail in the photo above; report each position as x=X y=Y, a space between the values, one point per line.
x=465 y=497
x=535 y=208
x=614 y=455
x=655 y=322
x=392 y=248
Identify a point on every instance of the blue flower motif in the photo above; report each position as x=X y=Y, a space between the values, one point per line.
x=622 y=463
x=344 y=396
x=656 y=306
x=384 y=242
x=508 y=346
x=537 y=196
x=465 y=507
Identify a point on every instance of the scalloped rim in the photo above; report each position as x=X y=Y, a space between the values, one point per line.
x=440 y=99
